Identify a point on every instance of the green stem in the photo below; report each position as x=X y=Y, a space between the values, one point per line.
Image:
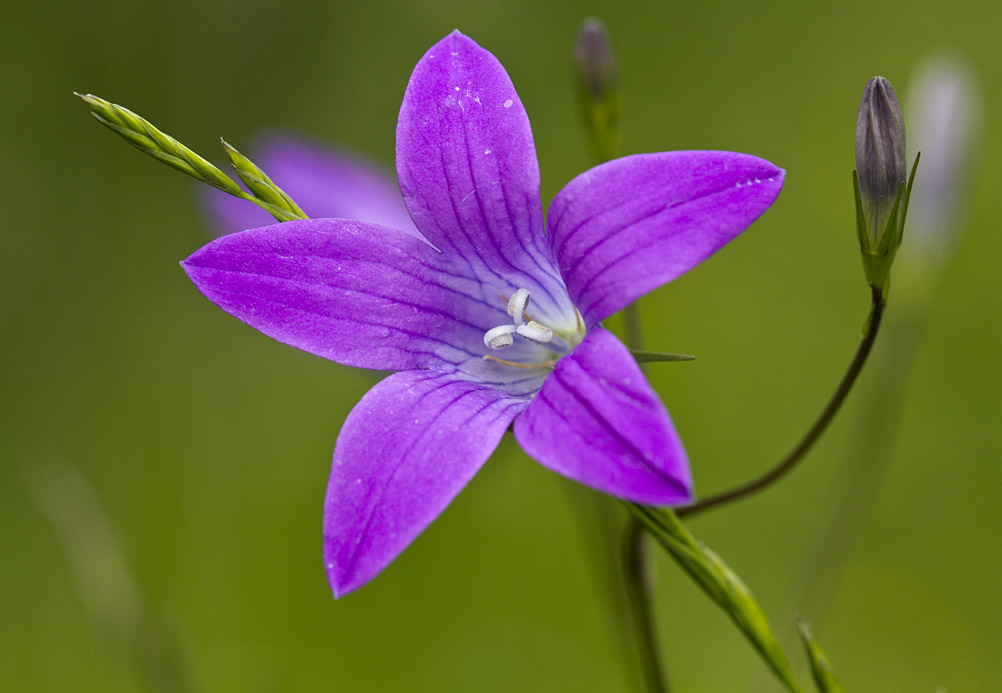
x=808 y=441
x=862 y=475
x=637 y=563
x=636 y=569
x=634 y=333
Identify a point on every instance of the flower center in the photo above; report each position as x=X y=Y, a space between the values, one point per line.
x=522 y=325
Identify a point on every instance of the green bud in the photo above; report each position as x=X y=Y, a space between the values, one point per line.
x=143 y=135
x=261 y=186
x=598 y=88
x=881 y=179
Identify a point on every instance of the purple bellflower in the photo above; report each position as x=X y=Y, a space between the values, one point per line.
x=489 y=316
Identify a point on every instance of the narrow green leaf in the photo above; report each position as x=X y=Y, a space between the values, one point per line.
x=649 y=356
x=720 y=583
x=821 y=668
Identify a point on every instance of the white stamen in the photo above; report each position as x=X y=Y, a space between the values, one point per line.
x=536 y=332
x=517 y=305
x=499 y=337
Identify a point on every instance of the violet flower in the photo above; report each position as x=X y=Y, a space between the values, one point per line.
x=491 y=318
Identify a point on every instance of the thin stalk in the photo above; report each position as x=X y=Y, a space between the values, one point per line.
x=637 y=566
x=812 y=435
x=864 y=470
x=636 y=570
x=634 y=332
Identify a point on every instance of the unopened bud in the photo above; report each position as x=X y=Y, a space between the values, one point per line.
x=881 y=177
x=595 y=59
x=880 y=153
x=598 y=80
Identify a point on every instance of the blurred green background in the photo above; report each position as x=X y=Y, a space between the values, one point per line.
x=130 y=401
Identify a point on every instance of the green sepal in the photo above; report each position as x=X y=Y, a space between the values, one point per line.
x=908 y=195
x=821 y=668
x=861 y=232
x=720 y=583
x=260 y=185
x=650 y=356
x=878 y=253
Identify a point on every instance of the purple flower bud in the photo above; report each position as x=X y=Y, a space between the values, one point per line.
x=596 y=61
x=598 y=92
x=880 y=155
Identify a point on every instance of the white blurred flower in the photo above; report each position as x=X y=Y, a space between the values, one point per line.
x=944 y=124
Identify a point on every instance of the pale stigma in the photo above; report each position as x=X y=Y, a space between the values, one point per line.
x=517 y=305
x=500 y=337
x=536 y=332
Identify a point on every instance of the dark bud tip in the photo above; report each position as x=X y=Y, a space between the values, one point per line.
x=595 y=58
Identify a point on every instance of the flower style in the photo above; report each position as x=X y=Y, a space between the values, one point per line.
x=488 y=318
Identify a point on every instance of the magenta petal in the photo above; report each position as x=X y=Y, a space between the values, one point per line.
x=597 y=421
x=467 y=169
x=322 y=180
x=350 y=291
x=633 y=224
x=405 y=451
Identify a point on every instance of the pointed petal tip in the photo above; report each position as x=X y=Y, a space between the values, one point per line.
x=188 y=267
x=340 y=586
x=632 y=224
x=450 y=39
x=780 y=175
x=407 y=448
x=597 y=421
x=456 y=40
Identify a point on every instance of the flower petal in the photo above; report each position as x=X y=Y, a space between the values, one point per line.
x=468 y=172
x=630 y=225
x=597 y=421
x=350 y=291
x=323 y=181
x=405 y=451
